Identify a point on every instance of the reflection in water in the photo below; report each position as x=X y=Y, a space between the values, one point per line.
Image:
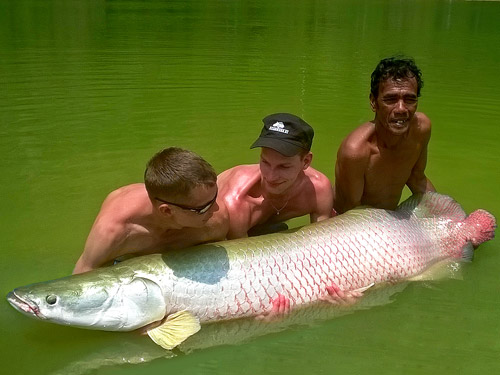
x=134 y=349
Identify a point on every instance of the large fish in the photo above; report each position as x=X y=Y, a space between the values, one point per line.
x=242 y=278
x=133 y=349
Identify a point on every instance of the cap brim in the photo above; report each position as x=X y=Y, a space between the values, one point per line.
x=285 y=148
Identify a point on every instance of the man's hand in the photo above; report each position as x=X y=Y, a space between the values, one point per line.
x=340 y=297
x=281 y=307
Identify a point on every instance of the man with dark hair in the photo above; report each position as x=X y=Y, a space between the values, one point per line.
x=395 y=68
x=282 y=186
x=380 y=157
x=174 y=208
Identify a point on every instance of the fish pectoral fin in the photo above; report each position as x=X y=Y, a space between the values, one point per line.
x=176 y=328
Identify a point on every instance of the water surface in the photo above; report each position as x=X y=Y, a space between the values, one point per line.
x=90 y=90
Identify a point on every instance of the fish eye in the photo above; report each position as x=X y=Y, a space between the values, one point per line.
x=51 y=299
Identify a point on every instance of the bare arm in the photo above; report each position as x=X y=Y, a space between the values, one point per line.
x=238 y=217
x=324 y=200
x=418 y=181
x=233 y=185
x=101 y=247
x=349 y=177
x=236 y=221
x=238 y=227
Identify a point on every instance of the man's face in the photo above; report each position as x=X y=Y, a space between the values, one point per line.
x=196 y=208
x=279 y=172
x=396 y=104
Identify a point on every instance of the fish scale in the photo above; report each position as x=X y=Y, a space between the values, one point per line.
x=242 y=278
x=351 y=265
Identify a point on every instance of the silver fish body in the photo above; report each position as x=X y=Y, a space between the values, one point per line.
x=241 y=278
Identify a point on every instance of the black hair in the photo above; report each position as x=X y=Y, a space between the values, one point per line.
x=395 y=67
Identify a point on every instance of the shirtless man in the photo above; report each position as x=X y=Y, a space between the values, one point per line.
x=174 y=208
x=282 y=186
x=380 y=157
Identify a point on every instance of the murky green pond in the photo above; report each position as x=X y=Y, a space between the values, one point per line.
x=89 y=90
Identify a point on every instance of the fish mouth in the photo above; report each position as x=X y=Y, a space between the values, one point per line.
x=24 y=306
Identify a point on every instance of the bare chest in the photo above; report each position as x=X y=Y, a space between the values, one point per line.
x=387 y=173
x=269 y=212
x=142 y=241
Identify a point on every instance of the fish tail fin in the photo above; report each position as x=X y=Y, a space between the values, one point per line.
x=433 y=204
x=480 y=227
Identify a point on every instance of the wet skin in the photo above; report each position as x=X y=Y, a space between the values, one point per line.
x=395 y=105
x=380 y=157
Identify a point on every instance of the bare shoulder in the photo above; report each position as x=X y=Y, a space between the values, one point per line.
x=423 y=119
x=319 y=180
x=358 y=144
x=125 y=203
x=237 y=180
x=424 y=124
x=322 y=188
x=240 y=171
x=132 y=191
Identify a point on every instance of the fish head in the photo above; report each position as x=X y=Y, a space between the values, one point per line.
x=93 y=300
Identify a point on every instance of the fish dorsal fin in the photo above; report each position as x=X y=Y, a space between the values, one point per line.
x=176 y=328
x=432 y=204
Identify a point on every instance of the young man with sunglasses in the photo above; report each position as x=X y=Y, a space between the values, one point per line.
x=173 y=208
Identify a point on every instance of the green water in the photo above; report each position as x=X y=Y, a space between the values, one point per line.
x=89 y=90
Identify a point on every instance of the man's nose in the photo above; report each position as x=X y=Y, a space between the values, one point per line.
x=401 y=106
x=273 y=174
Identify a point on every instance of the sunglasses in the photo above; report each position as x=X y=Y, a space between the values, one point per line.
x=198 y=210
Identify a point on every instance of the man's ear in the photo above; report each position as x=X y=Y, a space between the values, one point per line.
x=373 y=103
x=164 y=209
x=307 y=160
